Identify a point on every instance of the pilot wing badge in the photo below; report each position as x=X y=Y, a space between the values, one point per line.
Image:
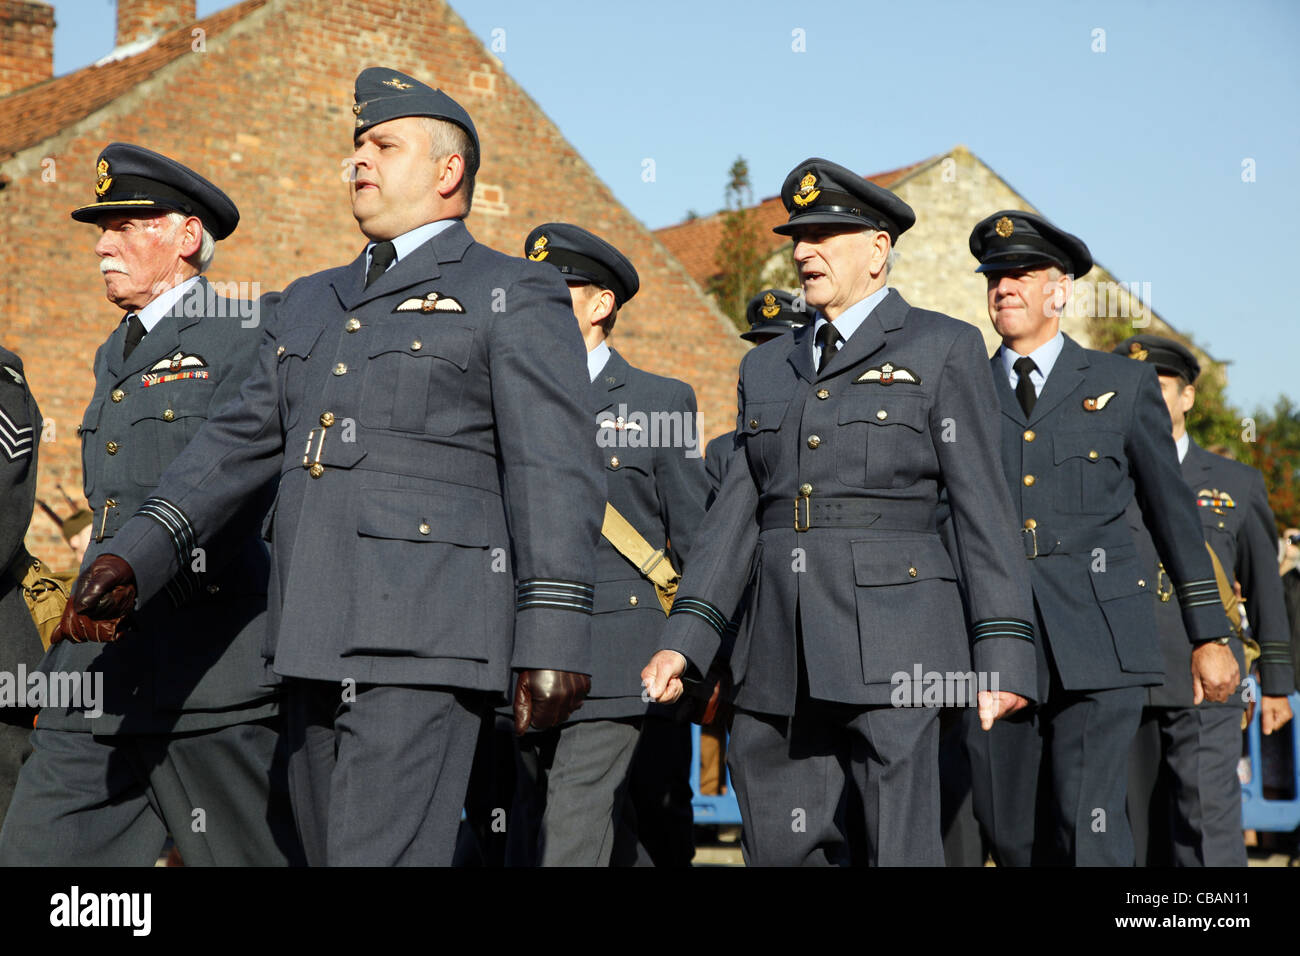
x=177 y=368
x=888 y=374
x=433 y=302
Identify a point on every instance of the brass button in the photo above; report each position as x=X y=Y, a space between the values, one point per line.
x=417 y=345
x=753 y=423
x=169 y=415
x=805 y=490
x=1092 y=455
x=814 y=441
x=633 y=601
x=911 y=572
x=1031 y=524
x=118 y=395
x=280 y=350
x=110 y=502
x=1029 y=480
x=340 y=369
x=316 y=470
x=882 y=415
x=1220 y=524
x=1029 y=435
x=1142 y=582
x=614 y=462
x=823 y=393
x=424 y=527
x=111 y=448
x=327 y=419
x=353 y=324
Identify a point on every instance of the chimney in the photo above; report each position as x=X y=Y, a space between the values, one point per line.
x=26 y=44
x=145 y=19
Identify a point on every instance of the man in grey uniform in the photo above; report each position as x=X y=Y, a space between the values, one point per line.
x=573 y=778
x=1082 y=433
x=20 y=435
x=1184 y=797
x=438 y=502
x=187 y=741
x=848 y=430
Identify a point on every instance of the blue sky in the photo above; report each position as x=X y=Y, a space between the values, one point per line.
x=1138 y=148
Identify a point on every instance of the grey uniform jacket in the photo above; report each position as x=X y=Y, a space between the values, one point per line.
x=656 y=484
x=1099 y=434
x=193 y=659
x=876 y=594
x=431 y=442
x=20 y=436
x=718 y=456
x=1238 y=524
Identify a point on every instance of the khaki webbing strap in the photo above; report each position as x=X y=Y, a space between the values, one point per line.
x=1227 y=595
x=651 y=562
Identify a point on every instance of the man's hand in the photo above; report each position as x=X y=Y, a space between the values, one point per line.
x=1276 y=712
x=995 y=704
x=1214 y=673
x=662 y=677
x=102 y=597
x=544 y=698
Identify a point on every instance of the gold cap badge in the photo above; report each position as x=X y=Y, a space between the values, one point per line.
x=103 y=181
x=540 y=251
x=397 y=84
x=770 y=309
x=1136 y=351
x=356 y=110
x=1004 y=227
x=807 y=193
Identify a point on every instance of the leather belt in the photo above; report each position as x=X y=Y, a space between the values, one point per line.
x=1039 y=543
x=892 y=514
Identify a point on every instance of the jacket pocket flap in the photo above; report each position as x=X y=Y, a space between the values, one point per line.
x=762 y=417
x=297 y=341
x=1092 y=446
x=450 y=342
x=883 y=561
x=885 y=409
x=620 y=595
x=414 y=516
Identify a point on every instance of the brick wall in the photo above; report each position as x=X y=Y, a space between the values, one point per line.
x=265 y=112
x=141 y=19
x=26 y=44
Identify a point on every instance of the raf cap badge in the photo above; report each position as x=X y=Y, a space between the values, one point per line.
x=433 y=302
x=540 y=251
x=1136 y=351
x=103 y=181
x=1098 y=403
x=771 y=309
x=888 y=374
x=1004 y=227
x=397 y=84
x=807 y=193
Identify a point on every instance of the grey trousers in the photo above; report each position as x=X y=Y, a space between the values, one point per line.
x=380 y=780
x=571 y=786
x=1184 y=797
x=87 y=800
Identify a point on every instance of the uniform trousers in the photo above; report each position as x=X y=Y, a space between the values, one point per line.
x=658 y=818
x=15 y=747
x=572 y=785
x=378 y=773
x=87 y=800
x=1184 y=797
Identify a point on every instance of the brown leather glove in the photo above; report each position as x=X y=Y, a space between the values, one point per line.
x=544 y=698
x=102 y=597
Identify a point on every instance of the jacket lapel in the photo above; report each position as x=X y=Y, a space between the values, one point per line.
x=611 y=378
x=417 y=267
x=1006 y=397
x=1067 y=374
x=165 y=339
x=869 y=338
x=800 y=356
x=1196 y=466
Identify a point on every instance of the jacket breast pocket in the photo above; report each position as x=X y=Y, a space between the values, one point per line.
x=164 y=418
x=89 y=431
x=415 y=377
x=908 y=606
x=1126 y=601
x=758 y=427
x=879 y=438
x=1091 y=470
x=294 y=349
x=423 y=567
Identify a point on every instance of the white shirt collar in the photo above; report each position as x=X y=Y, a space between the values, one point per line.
x=849 y=321
x=1044 y=357
x=155 y=311
x=596 y=359
x=408 y=242
x=1183 y=444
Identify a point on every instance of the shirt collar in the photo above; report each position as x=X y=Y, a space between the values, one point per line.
x=596 y=360
x=853 y=316
x=408 y=242
x=155 y=311
x=1044 y=357
x=1183 y=444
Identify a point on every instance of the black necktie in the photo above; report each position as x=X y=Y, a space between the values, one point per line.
x=381 y=257
x=134 y=333
x=1025 y=388
x=828 y=337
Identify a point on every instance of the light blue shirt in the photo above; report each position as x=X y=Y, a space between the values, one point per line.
x=1044 y=357
x=848 y=322
x=154 y=312
x=408 y=242
x=1181 y=444
x=596 y=360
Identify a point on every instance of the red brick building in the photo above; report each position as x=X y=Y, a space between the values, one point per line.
x=258 y=98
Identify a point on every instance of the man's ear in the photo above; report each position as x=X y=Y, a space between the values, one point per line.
x=880 y=252
x=450 y=172
x=192 y=239
x=1188 y=398
x=602 y=305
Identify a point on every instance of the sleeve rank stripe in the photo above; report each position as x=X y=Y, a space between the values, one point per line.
x=555 y=593
x=1208 y=601
x=177 y=525
x=701 y=609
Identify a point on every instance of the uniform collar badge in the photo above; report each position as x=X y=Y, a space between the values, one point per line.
x=1098 y=403
x=103 y=181
x=888 y=374
x=540 y=251
x=1004 y=227
x=770 y=308
x=807 y=193
x=433 y=302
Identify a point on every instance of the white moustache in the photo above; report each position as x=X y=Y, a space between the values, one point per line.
x=111 y=265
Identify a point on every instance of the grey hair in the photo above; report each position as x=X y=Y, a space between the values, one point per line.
x=202 y=259
x=447 y=138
